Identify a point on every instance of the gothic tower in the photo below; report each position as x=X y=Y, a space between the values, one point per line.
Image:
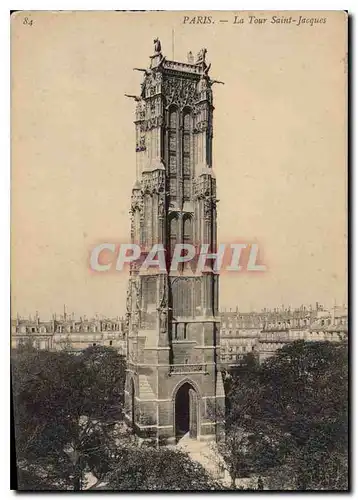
x=173 y=383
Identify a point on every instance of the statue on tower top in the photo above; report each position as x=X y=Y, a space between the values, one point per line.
x=201 y=61
x=200 y=58
x=157 y=46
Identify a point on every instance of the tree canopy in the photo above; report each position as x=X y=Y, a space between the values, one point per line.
x=64 y=407
x=144 y=469
x=292 y=411
x=286 y=423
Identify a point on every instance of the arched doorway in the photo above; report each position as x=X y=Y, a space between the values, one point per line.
x=186 y=411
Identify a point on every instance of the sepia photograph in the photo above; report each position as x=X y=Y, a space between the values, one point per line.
x=179 y=251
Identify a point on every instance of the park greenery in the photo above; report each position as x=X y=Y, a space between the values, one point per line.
x=286 y=423
x=287 y=418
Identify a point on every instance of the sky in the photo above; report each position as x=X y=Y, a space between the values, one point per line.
x=279 y=152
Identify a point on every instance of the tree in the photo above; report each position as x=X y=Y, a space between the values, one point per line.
x=295 y=408
x=235 y=451
x=244 y=449
x=143 y=469
x=65 y=407
x=308 y=385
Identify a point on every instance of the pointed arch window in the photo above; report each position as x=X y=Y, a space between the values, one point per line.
x=187 y=150
x=173 y=157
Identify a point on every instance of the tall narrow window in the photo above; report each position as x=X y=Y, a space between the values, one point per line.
x=149 y=291
x=173 y=232
x=187 y=238
x=182 y=298
x=147 y=236
x=188 y=230
x=173 y=160
x=136 y=222
x=155 y=219
x=197 y=297
x=187 y=174
x=185 y=296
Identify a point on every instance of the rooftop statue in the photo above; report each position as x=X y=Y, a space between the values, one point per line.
x=200 y=58
x=157 y=46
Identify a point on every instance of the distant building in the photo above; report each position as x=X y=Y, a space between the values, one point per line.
x=67 y=332
x=262 y=333
x=239 y=335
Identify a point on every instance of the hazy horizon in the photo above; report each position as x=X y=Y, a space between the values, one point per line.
x=92 y=315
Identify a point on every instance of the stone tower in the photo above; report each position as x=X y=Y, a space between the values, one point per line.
x=173 y=384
